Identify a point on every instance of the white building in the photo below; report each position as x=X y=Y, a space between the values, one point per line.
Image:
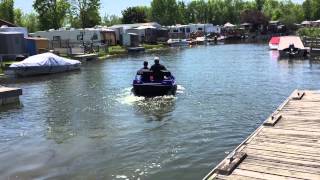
x=78 y=36
x=186 y=30
x=138 y=28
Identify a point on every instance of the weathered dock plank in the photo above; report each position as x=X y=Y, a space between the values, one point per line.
x=285 y=146
x=9 y=95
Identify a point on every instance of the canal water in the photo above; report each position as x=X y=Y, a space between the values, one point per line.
x=88 y=125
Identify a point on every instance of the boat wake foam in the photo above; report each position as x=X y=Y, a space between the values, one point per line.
x=127 y=97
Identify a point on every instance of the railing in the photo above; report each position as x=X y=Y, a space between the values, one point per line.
x=311 y=42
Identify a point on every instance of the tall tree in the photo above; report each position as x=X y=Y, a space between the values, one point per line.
x=51 y=13
x=137 y=14
x=31 y=22
x=165 y=11
x=259 y=4
x=87 y=12
x=18 y=17
x=7 y=10
x=182 y=13
x=255 y=17
x=111 y=20
x=307 y=9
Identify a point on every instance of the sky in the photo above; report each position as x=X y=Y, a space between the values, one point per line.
x=107 y=6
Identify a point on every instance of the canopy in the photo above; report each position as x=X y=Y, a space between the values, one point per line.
x=306 y=23
x=45 y=59
x=229 y=25
x=146 y=27
x=274 y=40
x=285 y=41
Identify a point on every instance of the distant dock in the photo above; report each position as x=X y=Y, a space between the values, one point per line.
x=286 y=146
x=9 y=95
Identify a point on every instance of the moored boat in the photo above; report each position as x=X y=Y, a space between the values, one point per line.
x=178 y=42
x=291 y=47
x=46 y=63
x=145 y=84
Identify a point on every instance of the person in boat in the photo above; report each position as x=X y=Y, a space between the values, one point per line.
x=145 y=67
x=157 y=68
x=144 y=72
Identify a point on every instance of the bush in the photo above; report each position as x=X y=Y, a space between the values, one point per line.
x=309 y=32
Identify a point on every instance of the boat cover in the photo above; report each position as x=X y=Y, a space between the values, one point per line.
x=274 y=40
x=45 y=59
x=285 y=41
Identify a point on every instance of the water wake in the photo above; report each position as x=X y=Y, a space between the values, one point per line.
x=127 y=97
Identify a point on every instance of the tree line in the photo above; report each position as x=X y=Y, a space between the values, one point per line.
x=53 y=14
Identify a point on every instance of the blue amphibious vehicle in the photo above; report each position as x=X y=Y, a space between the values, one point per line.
x=148 y=83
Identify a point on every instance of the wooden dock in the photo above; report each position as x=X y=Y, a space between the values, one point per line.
x=286 y=146
x=86 y=57
x=9 y=95
x=314 y=46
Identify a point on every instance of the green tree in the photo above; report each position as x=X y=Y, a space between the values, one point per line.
x=315 y=9
x=51 y=13
x=18 y=17
x=137 y=14
x=86 y=12
x=31 y=22
x=111 y=20
x=255 y=17
x=165 y=12
x=182 y=13
x=307 y=9
x=259 y=4
x=7 y=10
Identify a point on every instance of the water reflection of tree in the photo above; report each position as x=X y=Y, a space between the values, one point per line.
x=156 y=108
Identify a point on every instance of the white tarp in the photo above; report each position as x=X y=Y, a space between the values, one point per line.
x=286 y=41
x=45 y=59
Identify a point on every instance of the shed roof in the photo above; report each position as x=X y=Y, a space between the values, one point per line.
x=6 y=23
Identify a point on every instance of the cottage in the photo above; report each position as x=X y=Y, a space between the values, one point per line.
x=137 y=28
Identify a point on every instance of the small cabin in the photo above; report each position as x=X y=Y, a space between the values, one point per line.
x=12 y=44
x=131 y=40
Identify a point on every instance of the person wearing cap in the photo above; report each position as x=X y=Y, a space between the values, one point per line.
x=157 y=68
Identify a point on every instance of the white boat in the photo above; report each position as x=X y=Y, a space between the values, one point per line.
x=178 y=42
x=292 y=47
x=201 y=40
x=46 y=63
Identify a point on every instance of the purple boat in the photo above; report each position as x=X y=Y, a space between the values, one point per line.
x=149 y=84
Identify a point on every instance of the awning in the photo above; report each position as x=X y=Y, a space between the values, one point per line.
x=274 y=40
